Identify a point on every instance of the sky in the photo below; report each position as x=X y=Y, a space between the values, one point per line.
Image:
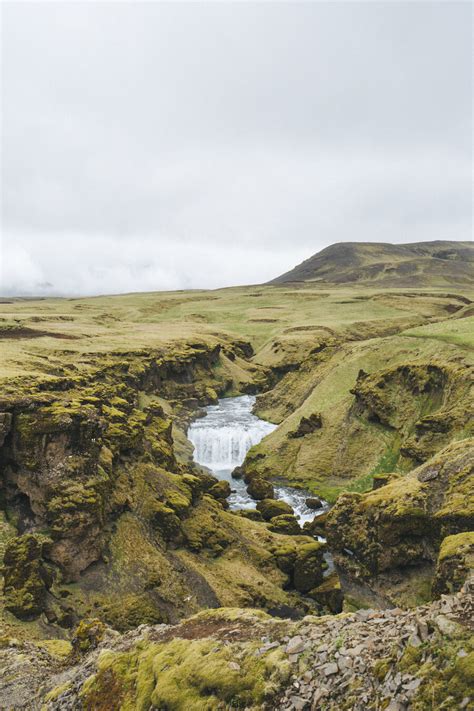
x=156 y=146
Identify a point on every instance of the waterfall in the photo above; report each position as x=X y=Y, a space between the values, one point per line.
x=222 y=439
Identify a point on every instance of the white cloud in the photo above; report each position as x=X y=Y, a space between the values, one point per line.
x=160 y=146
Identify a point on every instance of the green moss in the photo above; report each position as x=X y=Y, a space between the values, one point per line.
x=179 y=502
x=204 y=530
x=55 y=693
x=195 y=675
x=132 y=610
x=59 y=648
x=87 y=635
x=164 y=519
x=456 y=544
x=269 y=508
x=285 y=523
x=26 y=575
x=381 y=668
x=447 y=674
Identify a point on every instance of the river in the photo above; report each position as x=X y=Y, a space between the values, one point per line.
x=221 y=440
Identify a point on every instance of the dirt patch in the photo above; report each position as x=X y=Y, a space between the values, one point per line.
x=24 y=332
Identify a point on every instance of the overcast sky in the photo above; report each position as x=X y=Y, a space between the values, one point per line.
x=164 y=146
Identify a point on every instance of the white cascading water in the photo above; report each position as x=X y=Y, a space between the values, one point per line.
x=224 y=436
x=221 y=440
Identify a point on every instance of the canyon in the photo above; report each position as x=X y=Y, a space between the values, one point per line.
x=258 y=497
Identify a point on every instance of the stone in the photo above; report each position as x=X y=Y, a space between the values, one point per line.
x=319 y=695
x=269 y=508
x=428 y=475
x=221 y=490
x=447 y=626
x=308 y=570
x=260 y=489
x=285 y=524
x=355 y=651
x=414 y=640
x=295 y=645
x=314 y=502
x=330 y=669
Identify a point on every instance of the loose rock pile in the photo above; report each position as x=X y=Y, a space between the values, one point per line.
x=353 y=661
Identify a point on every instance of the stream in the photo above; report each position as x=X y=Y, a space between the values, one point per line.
x=221 y=440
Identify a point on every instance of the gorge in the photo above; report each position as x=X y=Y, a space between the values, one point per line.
x=263 y=500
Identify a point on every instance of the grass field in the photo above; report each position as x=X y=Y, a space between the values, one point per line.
x=34 y=334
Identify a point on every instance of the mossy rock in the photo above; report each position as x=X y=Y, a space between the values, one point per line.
x=250 y=514
x=196 y=675
x=220 y=491
x=132 y=610
x=87 y=635
x=165 y=520
x=285 y=557
x=269 y=508
x=285 y=523
x=329 y=594
x=260 y=489
x=206 y=481
x=194 y=483
x=179 y=501
x=204 y=528
x=455 y=563
x=27 y=577
x=309 y=566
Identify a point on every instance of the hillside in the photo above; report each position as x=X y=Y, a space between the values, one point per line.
x=389 y=265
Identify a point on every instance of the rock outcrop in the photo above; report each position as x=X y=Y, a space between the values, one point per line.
x=386 y=542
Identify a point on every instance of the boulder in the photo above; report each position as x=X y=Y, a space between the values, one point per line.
x=454 y=564
x=206 y=480
x=316 y=527
x=309 y=566
x=260 y=489
x=269 y=508
x=237 y=473
x=329 y=594
x=287 y=524
x=314 y=502
x=220 y=491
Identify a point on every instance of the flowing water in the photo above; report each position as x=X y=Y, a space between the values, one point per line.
x=221 y=440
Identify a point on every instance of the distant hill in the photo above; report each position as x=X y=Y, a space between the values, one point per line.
x=437 y=263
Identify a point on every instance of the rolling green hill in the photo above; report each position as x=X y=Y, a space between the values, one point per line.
x=404 y=265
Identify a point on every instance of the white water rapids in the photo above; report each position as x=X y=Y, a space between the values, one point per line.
x=221 y=440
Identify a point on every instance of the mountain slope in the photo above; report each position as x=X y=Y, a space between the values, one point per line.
x=440 y=263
